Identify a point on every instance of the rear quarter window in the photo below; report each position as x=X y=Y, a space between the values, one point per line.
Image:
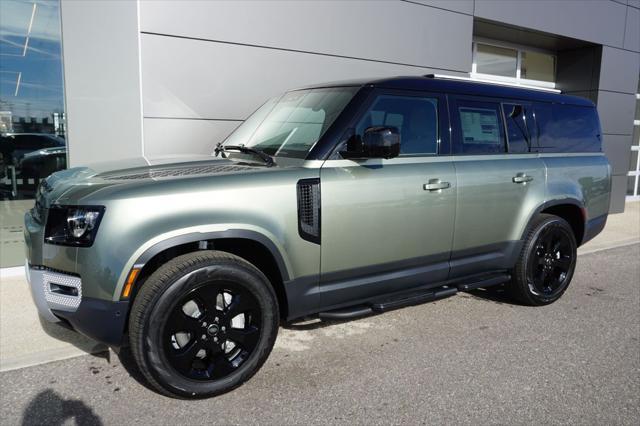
x=567 y=128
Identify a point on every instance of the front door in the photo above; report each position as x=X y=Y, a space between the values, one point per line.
x=387 y=224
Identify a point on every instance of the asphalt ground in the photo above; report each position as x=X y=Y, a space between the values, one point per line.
x=474 y=358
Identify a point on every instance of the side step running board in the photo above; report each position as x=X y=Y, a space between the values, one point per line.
x=346 y=313
x=413 y=298
x=410 y=298
x=486 y=282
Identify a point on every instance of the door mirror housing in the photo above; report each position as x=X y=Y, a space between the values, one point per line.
x=377 y=142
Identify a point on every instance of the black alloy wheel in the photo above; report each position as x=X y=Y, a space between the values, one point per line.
x=203 y=324
x=212 y=330
x=551 y=262
x=546 y=263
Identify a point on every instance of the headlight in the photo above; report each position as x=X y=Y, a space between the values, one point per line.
x=73 y=225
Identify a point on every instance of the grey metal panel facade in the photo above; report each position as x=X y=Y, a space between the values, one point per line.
x=616 y=112
x=164 y=136
x=462 y=6
x=619 y=70
x=617 y=148
x=600 y=22
x=358 y=29
x=632 y=30
x=199 y=79
x=102 y=80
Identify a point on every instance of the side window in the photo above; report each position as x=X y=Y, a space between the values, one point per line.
x=567 y=128
x=479 y=127
x=518 y=120
x=576 y=128
x=415 y=117
x=544 y=121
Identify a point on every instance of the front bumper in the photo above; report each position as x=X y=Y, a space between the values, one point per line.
x=58 y=297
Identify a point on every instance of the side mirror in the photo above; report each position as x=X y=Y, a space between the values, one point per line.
x=381 y=142
x=377 y=142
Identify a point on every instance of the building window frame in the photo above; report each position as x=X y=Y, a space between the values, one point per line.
x=635 y=174
x=517 y=80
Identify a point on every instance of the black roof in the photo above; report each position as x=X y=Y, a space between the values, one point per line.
x=462 y=87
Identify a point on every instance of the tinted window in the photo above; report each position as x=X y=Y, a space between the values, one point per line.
x=479 y=127
x=416 y=119
x=567 y=128
x=518 y=120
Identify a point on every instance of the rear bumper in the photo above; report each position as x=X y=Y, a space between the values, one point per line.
x=98 y=319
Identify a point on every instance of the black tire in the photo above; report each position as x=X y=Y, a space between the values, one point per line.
x=164 y=296
x=546 y=263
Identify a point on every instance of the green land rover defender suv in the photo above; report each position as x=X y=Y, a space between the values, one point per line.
x=336 y=201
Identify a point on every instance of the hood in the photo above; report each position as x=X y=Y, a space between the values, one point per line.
x=78 y=182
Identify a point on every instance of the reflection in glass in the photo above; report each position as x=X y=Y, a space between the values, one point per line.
x=32 y=130
x=32 y=122
x=496 y=60
x=538 y=66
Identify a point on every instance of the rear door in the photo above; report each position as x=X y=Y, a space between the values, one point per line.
x=500 y=181
x=387 y=224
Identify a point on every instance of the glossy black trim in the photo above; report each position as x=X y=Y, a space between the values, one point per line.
x=206 y=236
x=593 y=227
x=303 y=234
x=100 y=320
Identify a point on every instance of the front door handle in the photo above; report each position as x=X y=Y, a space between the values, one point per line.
x=436 y=185
x=522 y=178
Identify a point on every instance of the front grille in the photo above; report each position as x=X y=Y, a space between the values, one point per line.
x=309 y=209
x=176 y=172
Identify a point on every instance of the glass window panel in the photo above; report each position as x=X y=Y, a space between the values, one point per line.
x=478 y=127
x=32 y=126
x=415 y=118
x=289 y=126
x=496 y=60
x=538 y=66
x=519 y=128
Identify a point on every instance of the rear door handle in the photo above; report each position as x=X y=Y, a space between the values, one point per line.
x=522 y=178
x=436 y=185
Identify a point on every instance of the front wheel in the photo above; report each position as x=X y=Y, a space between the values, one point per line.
x=547 y=262
x=203 y=324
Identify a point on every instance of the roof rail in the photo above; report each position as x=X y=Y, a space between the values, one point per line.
x=497 y=83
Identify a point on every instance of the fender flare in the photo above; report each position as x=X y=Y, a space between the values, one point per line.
x=193 y=237
x=557 y=202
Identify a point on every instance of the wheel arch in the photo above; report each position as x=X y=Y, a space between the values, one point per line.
x=252 y=246
x=569 y=209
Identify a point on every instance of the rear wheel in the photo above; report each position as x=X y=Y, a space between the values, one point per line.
x=547 y=262
x=203 y=324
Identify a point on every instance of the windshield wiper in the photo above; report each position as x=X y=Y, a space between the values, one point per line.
x=220 y=148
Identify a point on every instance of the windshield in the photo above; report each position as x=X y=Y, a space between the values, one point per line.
x=290 y=125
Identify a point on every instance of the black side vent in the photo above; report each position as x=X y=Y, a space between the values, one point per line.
x=309 y=209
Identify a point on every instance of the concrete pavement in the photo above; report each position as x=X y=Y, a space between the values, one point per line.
x=470 y=359
x=26 y=341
